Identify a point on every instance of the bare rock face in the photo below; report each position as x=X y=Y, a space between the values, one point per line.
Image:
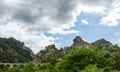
x=78 y=41
x=50 y=48
x=102 y=42
x=16 y=50
x=49 y=54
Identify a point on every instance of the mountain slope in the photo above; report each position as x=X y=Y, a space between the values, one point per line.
x=12 y=50
x=50 y=54
x=101 y=42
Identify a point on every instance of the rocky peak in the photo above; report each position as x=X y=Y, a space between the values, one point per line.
x=78 y=41
x=50 y=48
x=101 y=42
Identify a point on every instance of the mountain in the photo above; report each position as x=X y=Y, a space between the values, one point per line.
x=49 y=54
x=52 y=54
x=101 y=42
x=78 y=41
x=14 y=51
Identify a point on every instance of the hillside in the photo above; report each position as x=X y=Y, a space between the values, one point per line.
x=49 y=54
x=13 y=51
x=102 y=42
x=81 y=56
x=53 y=54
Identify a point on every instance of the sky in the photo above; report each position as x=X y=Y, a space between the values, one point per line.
x=39 y=23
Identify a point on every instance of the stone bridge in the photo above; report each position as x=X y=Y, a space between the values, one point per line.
x=10 y=65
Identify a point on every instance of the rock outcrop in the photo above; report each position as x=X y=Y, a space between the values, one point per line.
x=12 y=50
x=51 y=53
x=78 y=41
x=50 y=48
x=102 y=42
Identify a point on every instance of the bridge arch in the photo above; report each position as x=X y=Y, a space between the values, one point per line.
x=10 y=65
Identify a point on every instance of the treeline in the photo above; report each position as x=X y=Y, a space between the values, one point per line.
x=81 y=59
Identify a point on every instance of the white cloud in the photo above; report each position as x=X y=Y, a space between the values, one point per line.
x=62 y=32
x=112 y=17
x=39 y=15
x=35 y=42
x=84 y=22
x=117 y=42
x=27 y=20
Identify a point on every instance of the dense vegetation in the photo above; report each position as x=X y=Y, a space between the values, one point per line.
x=51 y=54
x=14 y=51
x=78 y=59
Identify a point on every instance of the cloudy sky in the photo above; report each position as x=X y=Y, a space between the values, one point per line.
x=42 y=22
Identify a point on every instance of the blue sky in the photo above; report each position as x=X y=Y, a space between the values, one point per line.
x=39 y=23
x=91 y=31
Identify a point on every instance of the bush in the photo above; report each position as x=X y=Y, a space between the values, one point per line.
x=31 y=67
x=79 y=58
x=92 y=68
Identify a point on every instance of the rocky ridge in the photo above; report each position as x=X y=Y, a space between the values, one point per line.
x=12 y=50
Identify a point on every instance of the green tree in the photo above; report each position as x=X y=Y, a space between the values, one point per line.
x=78 y=58
x=92 y=68
x=46 y=67
x=3 y=68
x=30 y=67
x=16 y=69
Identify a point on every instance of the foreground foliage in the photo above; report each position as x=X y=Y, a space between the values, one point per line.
x=82 y=59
